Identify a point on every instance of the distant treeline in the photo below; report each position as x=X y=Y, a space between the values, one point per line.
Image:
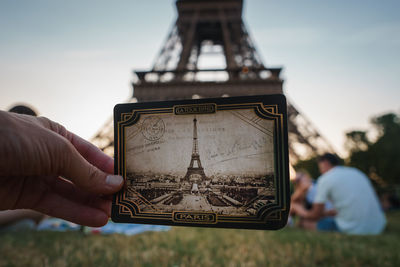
x=375 y=151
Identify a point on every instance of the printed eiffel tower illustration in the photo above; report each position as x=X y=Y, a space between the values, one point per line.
x=195 y=156
x=203 y=29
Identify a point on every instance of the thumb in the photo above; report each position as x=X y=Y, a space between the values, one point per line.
x=87 y=176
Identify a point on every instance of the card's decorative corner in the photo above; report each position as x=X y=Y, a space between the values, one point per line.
x=209 y=162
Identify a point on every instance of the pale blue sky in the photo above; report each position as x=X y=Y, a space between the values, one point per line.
x=73 y=60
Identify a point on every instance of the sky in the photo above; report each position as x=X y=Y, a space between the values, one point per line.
x=73 y=60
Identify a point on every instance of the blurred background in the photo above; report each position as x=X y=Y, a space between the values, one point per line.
x=72 y=61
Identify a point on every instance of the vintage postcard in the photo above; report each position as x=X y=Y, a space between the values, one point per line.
x=207 y=162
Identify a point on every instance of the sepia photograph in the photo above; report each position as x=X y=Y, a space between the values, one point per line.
x=221 y=162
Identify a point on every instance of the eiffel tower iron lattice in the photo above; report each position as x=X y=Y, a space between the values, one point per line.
x=192 y=170
x=205 y=28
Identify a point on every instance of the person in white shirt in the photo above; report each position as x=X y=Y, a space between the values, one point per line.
x=357 y=207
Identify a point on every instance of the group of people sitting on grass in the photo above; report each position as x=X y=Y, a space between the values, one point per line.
x=341 y=200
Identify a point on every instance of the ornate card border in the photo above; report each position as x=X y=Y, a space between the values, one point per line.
x=270 y=216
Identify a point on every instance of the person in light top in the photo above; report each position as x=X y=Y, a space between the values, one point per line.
x=304 y=195
x=350 y=191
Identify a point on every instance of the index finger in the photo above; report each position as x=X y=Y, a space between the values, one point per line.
x=92 y=153
x=89 y=151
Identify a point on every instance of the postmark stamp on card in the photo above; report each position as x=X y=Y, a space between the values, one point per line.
x=153 y=128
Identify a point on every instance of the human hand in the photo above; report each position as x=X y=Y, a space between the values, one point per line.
x=48 y=169
x=295 y=208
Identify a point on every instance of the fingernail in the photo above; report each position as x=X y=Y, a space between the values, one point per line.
x=114 y=180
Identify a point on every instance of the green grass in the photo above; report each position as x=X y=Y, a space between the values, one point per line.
x=183 y=246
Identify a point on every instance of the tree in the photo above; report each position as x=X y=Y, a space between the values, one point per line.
x=309 y=165
x=380 y=158
x=357 y=144
x=385 y=152
x=357 y=141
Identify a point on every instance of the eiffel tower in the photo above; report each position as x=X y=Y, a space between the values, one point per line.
x=195 y=156
x=205 y=28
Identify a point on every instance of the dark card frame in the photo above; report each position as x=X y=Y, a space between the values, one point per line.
x=271 y=216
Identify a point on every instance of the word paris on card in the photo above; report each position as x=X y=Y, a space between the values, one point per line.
x=220 y=162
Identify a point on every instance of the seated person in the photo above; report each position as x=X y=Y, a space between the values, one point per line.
x=352 y=195
x=304 y=195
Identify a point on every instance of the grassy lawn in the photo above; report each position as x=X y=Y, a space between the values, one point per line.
x=184 y=246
